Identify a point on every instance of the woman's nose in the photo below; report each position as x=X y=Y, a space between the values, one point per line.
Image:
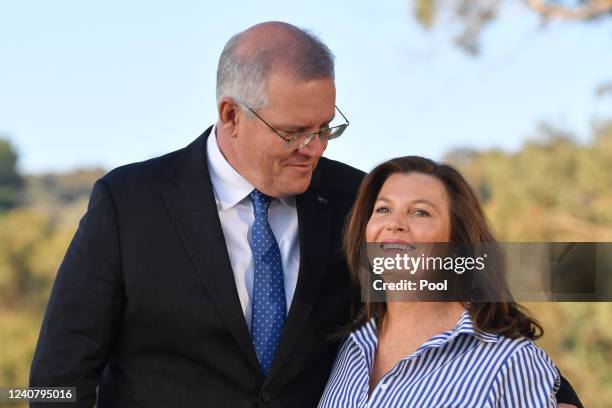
x=396 y=226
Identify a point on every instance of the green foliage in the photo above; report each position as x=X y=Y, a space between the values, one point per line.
x=10 y=181
x=17 y=343
x=31 y=249
x=34 y=236
x=33 y=240
x=578 y=337
x=59 y=190
x=554 y=188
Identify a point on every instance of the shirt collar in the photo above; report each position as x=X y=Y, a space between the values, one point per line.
x=229 y=185
x=367 y=332
x=466 y=326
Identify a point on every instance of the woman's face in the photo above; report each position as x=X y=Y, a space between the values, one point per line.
x=411 y=207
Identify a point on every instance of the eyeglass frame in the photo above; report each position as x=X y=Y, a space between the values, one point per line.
x=309 y=135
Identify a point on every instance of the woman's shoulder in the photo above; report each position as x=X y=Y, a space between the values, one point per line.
x=518 y=350
x=525 y=371
x=522 y=347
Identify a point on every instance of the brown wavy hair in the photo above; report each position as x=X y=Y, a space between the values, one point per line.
x=468 y=225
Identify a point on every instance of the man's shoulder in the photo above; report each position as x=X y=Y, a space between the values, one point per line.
x=141 y=171
x=152 y=171
x=338 y=176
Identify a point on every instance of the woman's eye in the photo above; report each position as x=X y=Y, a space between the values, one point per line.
x=420 y=213
x=381 y=210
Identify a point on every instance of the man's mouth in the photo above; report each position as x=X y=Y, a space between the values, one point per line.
x=301 y=166
x=304 y=164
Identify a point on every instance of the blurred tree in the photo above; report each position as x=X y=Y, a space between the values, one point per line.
x=473 y=16
x=10 y=180
x=554 y=188
x=22 y=233
x=33 y=240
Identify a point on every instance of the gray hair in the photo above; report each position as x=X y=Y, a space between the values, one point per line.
x=243 y=72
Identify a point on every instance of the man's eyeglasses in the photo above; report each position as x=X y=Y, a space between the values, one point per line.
x=295 y=140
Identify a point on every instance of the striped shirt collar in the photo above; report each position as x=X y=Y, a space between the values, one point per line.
x=365 y=336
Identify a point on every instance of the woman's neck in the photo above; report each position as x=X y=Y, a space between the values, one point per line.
x=425 y=318
x=405 y=327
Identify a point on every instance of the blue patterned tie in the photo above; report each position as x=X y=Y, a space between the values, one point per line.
x=269 y=305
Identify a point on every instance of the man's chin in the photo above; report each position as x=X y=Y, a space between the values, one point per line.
x=298 y=185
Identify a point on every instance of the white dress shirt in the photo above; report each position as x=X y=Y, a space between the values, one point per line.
x=236 y=215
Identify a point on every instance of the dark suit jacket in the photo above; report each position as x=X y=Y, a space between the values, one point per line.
x=145 y=302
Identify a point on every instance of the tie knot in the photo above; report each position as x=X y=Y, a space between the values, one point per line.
x=261 y=202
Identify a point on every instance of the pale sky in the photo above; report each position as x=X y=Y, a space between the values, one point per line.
x=86 y=84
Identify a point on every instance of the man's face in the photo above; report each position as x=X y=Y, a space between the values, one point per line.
x=262 y=156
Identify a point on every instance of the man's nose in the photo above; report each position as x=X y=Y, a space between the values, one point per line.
x=314 y=148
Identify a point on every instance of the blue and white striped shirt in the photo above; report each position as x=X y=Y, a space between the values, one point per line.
x=459 y=368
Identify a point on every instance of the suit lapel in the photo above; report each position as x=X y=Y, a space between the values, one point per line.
x=191 y=203
x=314 y=224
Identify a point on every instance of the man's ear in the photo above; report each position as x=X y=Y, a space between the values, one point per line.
x=228 y=116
